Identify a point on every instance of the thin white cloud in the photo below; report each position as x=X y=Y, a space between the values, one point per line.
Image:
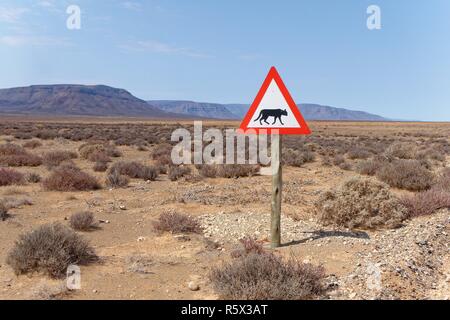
x=11 y=15
x=20 y=41
x=46 y=4
x=131 y=5
x=163 y=48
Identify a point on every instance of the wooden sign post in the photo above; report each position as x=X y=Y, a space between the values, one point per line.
x=277 y=187
x=274 y=112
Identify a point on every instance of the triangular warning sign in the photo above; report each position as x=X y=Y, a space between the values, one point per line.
x=274 y=109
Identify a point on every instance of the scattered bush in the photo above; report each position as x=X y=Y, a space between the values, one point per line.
x=345 y=166
x=267 y=277
x=82 y=221
x=326 y=161
x=13 y=202
x=49 y=249
x=443 y=181
x=358 y=153
x=70 y=178
x=10 y=176
x=338 y=159
x=426 y=202
x=249 y=245
x=406 y=174
x=115 y=180
x=368 y=167
x=360 y=203
x=177 y=223
x=94 y=151
x=13 y=155
x=53 y=159
x=100 y=167
x=176 y=172
x=162 y=154
x=237 y=170
x=3 y=211
x=135 y=170
x=99 y=156
x=33 y=144
x=207 y=170
x=297 y=158
x=401 y=151
x=33 y=177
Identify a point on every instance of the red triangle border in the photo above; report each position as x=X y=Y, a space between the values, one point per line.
x=274 y=75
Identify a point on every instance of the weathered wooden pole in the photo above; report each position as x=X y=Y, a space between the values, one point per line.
x=277 y=183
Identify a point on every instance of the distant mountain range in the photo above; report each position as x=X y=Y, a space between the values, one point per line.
x=100 y=100
x=238 y=111
x=77 y=100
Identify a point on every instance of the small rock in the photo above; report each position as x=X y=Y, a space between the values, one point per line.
x=122 y=207
x=140 y=239
x=193 y=286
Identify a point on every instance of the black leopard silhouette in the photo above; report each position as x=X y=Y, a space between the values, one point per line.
x=275 y=113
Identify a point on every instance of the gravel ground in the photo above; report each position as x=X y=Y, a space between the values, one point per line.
x=404 y=263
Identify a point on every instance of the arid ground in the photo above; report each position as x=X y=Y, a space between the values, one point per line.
x=391 y=242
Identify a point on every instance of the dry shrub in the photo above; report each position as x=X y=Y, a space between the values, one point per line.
x=237 y=170
x=338 y=159
x=443 y=180
x=70 y=178
x=116 y=180
x=136 y=170
x=345 y=166
x=13 y=155
x=50 y=249
x=162 y=154
x=358 y=153
x=13 y=202
x=427 y=202
x=401 y=151
x=176 y=172
x=360 y=203
x=177 y=223
x=326 y=161
x=99 y=156
x=406 y=174
x=33 y=177
x=3 y=211
x=368 y=167
x=100 y=167
x=10 y=176
x=297 y=158
x=249 y=245
x=82 y=221
x=267 y=276
x=89 y=150
x=53 y=159
x=33 y=144
x=207 y=170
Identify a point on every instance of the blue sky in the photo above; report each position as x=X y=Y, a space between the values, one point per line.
x=220 y=51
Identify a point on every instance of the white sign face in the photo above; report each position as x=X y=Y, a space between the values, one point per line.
x=273 y=111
